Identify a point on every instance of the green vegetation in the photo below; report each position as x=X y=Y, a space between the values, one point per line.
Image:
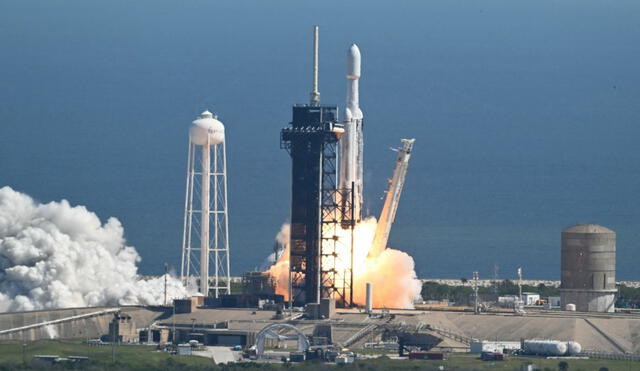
x=146 y=358
x=436 y=291
x=628 y=297
x=508 y=287
x=128 y=357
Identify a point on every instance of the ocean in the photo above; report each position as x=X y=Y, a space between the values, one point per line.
x=525 y=115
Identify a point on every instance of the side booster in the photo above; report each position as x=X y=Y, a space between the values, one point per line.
x=351 y=143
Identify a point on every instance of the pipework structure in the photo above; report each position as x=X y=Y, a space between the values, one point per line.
x=311 y=140
x=205 y=242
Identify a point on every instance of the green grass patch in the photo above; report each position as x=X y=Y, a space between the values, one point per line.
x=133 y=357
x=130 y=357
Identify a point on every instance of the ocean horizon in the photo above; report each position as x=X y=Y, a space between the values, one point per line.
x=525 y=116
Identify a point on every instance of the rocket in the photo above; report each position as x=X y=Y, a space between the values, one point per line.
x=351 y=143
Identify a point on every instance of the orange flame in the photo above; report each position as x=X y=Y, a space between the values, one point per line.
x=391 y=272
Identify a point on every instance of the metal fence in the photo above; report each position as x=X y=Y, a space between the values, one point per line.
x=615 y=356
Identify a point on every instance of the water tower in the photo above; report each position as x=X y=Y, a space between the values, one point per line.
x=205 y=242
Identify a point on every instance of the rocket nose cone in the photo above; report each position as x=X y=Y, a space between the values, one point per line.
x=354 y=50
x=353 y=62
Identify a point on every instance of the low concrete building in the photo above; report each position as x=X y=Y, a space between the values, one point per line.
x=553 y=301
x=327 y=308
x=507 y=301
x=530 y=298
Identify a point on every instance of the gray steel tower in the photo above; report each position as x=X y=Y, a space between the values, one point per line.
x=311 y=140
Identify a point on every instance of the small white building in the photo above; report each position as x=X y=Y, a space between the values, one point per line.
x=344 y=359
x=507 y=301
x=553 y=302
x=530 y=298
x=494 y=346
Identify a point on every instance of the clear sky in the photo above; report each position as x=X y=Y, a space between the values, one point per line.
x=526 y=117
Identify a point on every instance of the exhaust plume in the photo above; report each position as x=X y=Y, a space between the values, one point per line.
x=392 y=272
x=57 y=256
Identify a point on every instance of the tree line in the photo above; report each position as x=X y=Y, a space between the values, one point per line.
x=437 y=291
x=627 y=297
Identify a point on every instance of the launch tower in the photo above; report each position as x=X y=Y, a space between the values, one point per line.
x=311 y=140
x=205 y=243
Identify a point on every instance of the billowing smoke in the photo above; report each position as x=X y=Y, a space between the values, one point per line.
x=279 y=269
x=279 y=248
x=57 y=256
x=392 y=272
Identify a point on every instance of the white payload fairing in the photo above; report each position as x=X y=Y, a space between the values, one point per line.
x=351 y=143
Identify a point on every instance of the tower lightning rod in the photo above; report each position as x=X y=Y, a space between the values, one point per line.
x=315 y=94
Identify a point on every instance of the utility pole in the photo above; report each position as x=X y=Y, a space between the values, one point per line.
x=113 y=338
x=166 y=269
x=476 y=278
x=519 y=306
x=520 y=283
x=173 y=317
x=495 y=278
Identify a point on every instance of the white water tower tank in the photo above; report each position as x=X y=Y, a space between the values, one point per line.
x=206 y=130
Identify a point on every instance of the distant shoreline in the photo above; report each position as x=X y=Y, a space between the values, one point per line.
x=488 y=283
x=459 y=282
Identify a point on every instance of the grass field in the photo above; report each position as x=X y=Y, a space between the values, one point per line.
x=130 y=356
x=146 y=358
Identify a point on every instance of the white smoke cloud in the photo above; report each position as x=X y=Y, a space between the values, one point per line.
x=280 y=247
x=57 y=256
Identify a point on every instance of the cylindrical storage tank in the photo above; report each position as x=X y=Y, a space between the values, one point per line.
x=545 y=347
x=573 y=348
x=588 y=268
x=369 y=298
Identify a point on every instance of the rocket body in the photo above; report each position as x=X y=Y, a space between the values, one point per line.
x=351 y=144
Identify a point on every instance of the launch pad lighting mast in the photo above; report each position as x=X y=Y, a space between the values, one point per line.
x=205 y=242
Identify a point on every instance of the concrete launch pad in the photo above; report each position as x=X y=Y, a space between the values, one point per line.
x=612 y=333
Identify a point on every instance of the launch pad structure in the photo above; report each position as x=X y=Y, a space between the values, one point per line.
x=318 y=207
x=327 y=191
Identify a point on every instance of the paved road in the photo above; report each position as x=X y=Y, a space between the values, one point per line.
x=219 y=354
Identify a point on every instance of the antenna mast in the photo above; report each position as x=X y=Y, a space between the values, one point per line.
x=315 y=94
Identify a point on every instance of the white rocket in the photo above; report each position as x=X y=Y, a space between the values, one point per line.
x=351 y=143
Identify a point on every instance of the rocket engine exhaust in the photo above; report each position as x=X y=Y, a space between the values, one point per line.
x=391 y=272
